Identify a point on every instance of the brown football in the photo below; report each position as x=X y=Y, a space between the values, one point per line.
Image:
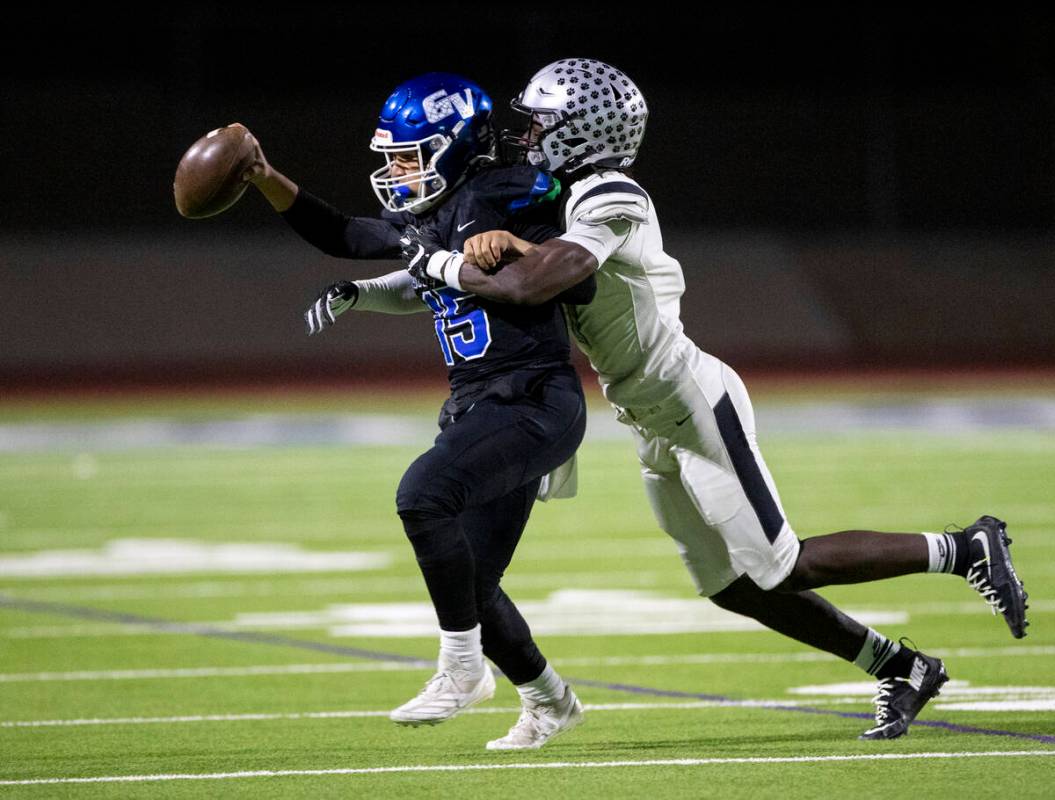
x=209 y=176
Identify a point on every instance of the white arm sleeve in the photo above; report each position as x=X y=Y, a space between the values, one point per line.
x=389 y=294
x=600 y=238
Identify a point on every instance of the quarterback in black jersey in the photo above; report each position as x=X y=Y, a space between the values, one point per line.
x=516 y=414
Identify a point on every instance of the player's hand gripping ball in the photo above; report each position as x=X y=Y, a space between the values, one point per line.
x=210 y=177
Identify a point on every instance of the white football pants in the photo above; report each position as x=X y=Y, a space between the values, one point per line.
x=708 y=485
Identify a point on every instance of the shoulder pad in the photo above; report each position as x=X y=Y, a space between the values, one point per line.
x=613 y=196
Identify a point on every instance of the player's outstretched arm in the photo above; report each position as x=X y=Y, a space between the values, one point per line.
x=392 y=293
x=538 y=272
x=315 y=220
x=279 y=190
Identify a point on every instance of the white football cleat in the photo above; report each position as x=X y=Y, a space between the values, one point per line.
x=540 y=722
x=447 y=692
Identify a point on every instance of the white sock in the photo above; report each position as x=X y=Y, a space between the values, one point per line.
x=462 y=648
x=546 y=689
x=941 y=551
x=877 y=650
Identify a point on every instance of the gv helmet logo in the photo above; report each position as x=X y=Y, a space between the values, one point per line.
x=440 y=105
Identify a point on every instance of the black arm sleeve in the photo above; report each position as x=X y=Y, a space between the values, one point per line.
x=335 y=234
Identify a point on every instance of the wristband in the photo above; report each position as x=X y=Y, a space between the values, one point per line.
x=445 y=267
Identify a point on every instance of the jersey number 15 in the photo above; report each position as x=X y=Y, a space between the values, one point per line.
x=464 y=334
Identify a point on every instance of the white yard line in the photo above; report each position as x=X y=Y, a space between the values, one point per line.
x=931 y=609
x=264 y=717
x=211 y=672
x=586 y=661
x=786 y=658
x=665 y=762
x=325 y=587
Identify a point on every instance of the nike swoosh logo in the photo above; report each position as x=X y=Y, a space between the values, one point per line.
x=682 y=422
x=466 y=225
x=985 y=543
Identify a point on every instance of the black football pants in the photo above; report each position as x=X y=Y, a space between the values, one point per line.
x=465 y=502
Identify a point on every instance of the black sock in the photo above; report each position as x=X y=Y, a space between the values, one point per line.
x=899 y=665
x=961 y=562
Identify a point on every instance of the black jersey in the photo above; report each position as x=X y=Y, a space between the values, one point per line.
x=479 y=338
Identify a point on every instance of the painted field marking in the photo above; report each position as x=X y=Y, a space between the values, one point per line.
x=82 y=612
x=931 y=609
x=180 y=556
x=585 y=661
x=364 y=584
x=659 y=762
x=565 y=612
x=1001 y=706
x=415 y=629
x=264 y=717
x=786 y=658
x=215 y=672
x=956 y=695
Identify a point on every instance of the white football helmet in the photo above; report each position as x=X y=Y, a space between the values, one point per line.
x=582 y=111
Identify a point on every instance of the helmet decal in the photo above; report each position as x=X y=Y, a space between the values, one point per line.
x=440 y=105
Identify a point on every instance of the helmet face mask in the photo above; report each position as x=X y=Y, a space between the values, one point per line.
x=582 y=111
x=441 y=121
x=410 y=188
x=525 y=147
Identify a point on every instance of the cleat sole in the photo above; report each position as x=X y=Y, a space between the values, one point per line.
x=406 y=723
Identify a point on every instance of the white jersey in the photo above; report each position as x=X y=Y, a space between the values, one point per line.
x=632 y=331
x=691 y=415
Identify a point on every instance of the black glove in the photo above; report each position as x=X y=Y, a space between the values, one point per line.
x=333 y=302
x=417 y=248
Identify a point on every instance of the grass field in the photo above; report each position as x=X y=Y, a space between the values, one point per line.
x=206 y=617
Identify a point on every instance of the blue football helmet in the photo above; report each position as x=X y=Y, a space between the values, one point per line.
x=444 y=121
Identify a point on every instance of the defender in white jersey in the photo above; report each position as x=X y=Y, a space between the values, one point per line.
x=690 y=413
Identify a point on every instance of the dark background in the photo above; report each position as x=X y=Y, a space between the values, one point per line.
x=844 y=188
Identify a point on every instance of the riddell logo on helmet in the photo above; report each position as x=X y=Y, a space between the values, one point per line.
x=380 y=133
x=440 y=105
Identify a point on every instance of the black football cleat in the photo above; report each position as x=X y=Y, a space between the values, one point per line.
x=991 y=573
x=899 y=700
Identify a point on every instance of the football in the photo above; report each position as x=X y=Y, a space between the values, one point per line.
x=209 y=176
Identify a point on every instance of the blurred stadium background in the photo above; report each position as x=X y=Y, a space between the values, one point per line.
x=845 y=189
